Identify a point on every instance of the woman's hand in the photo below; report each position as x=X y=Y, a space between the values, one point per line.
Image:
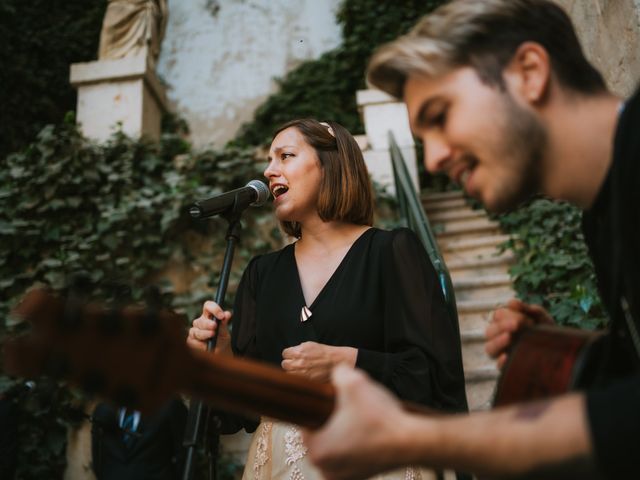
x=204 y=327
x=316 y=360
x=506 y=322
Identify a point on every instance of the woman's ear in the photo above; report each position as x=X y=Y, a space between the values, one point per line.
x=528 y=74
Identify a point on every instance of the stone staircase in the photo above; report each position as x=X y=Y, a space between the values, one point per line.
x=468 y=242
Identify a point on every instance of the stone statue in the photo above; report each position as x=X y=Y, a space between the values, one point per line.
x=132 y=27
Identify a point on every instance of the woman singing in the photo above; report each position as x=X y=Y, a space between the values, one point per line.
x=343 y=292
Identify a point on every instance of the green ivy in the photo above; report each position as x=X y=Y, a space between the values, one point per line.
x=40 y=39
x=552 y=265
x=119 y=212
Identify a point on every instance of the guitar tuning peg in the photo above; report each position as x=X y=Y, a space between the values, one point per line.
x=79 y=288
x=79 y=285
x=149 y=322
x=120 y=292
x=152 y=297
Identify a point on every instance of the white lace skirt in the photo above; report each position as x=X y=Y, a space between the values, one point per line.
x=277 y=453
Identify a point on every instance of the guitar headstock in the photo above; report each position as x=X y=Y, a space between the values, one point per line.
x=139 y=358
x=134 y=356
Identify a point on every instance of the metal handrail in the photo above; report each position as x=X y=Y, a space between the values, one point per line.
x=414 y=217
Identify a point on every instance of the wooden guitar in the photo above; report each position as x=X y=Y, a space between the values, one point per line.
x=140 y=359
x=547 y=360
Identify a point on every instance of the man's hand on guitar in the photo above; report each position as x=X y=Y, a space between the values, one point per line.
x=204 y=327
x=506 y=322
x=366 y=424
x=316 y=360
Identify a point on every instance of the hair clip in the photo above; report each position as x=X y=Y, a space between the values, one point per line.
x=329 y=129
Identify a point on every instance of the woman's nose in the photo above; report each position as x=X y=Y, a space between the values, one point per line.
x=271 y=170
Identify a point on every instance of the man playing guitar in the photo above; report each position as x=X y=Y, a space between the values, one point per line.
x=507 y=105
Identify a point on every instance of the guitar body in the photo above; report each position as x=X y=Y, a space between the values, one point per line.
x=547 y=361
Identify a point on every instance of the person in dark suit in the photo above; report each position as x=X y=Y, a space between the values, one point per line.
x=129 y=445
x=8 y=437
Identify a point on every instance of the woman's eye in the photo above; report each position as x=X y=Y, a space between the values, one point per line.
x=287 y=155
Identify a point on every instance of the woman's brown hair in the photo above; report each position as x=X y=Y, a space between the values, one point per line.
x=345 y=189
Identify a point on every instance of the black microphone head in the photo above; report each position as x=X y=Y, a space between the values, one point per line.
x=262 y=192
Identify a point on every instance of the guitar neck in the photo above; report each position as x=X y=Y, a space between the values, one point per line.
x=140 y=359
x=253 y=389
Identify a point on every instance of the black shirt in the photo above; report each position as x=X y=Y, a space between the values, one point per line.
x=383 y=299
x=612 y=232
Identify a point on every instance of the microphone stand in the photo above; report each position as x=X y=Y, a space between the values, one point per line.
x=197 y=409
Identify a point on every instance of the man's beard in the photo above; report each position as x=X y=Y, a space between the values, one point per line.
x=524 y=140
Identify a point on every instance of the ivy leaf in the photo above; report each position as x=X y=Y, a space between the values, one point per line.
x=585 y=304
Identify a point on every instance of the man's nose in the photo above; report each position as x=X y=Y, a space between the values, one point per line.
x=436 y=153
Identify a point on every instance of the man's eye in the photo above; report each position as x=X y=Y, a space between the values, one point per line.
x=439 y=119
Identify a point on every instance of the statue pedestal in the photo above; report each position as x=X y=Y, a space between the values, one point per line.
x=382 y=113
x=125 y=91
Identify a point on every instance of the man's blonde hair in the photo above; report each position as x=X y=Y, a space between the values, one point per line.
x=483 y=34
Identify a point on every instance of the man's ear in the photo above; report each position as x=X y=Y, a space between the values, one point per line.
x=528 y=74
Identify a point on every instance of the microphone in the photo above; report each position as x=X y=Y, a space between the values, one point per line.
x=254 y=193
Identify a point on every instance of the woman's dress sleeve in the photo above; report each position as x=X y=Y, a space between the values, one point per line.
x=422 y=359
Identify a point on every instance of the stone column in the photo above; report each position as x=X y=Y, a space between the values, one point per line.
x=123 y=91
x=382 y=113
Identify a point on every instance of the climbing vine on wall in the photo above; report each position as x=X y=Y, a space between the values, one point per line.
x=40 y=39
x=552 y=265
x=118 y=212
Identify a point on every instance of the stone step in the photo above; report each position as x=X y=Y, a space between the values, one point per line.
x=461 y=267
x=461 y=211
x=479 y=262
x=480 y=393
x=476 y=255
x=439 y=196
x=504 y=292
x=464 y=259
x=465 y=229
x=466 y=244
x=474 y=320
x=472 y=335
x=483 y=287
x=440 y=205
x=481 y=281
x=481 y=374
x=479 y=306
x=469 y=242
x=473 y=353
x=455 y=215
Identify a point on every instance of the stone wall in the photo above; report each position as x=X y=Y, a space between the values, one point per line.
x=219 y=57
x=609 y=31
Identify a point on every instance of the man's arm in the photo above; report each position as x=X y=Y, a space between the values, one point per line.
x=370 y=433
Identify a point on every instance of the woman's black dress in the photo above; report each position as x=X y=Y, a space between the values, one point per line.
x=383 y=299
